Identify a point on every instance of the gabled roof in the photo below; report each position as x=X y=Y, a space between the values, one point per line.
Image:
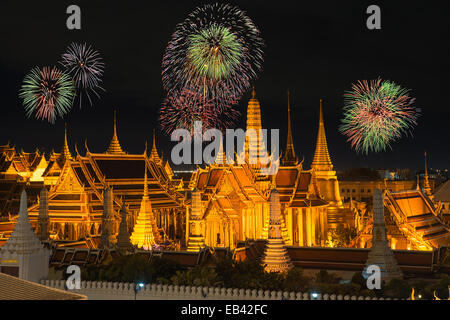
x=13 y=288
x=442 y=193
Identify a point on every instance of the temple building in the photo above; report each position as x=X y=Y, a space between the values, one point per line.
x=113 y=199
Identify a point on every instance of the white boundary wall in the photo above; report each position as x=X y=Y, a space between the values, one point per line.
x=98 y=290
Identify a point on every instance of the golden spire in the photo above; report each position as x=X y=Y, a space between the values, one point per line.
x=154 y=153
x=321 y=161
x=221 y=157
x=65 y=152
x=254 y=145
x=289 y=158
x=114 y=145
x=145 y=232
x=426 y=182
x=145 y=184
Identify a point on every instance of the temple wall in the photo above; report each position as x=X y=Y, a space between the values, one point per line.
x=97 y=290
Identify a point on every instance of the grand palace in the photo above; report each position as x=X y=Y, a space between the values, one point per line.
x=122 y=201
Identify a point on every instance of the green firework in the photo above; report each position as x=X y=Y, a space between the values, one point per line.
x=47 y=93
x=214 y=52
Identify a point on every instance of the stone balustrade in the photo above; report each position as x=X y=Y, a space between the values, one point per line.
x=99 y=290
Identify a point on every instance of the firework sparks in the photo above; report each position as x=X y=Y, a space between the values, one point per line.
x=216 y=51
x=181 y=112
x=377 y=113
x=86 y=67
x=47 y=92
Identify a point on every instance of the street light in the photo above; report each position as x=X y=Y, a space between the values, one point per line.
x=314 y=295
x=137 y=287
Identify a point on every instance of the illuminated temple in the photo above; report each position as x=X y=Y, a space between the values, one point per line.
x=112 y=198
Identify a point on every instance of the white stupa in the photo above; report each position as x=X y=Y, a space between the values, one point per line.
x=23 y=255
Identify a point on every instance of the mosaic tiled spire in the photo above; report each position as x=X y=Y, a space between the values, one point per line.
x=107 y=238
x=196 y=240
x=276 y=258
x=380 y=253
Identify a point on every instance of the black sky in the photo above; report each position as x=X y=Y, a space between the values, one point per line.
x=316 y=49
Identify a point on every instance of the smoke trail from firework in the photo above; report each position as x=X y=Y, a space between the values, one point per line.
x=86 y=67
x=47 y=93
x=377 y=113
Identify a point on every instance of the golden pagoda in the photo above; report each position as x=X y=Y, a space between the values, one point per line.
x=255 y=149
x=322 y=168
x=145 y=233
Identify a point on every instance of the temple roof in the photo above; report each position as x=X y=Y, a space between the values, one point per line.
x=442 y=193
x=13 y=288
x=416 y=212
x=321 y=161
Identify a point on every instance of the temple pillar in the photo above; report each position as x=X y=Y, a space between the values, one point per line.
x=308 y=227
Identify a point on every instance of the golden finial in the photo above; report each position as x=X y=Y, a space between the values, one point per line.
x=253 y=93
x=115 y=131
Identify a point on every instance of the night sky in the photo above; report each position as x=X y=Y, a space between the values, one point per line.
x=316 y=49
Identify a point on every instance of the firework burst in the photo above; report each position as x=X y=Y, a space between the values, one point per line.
x=86 y=67
x=377 y=113
x=181 y=112
x=47 y=93
x=216 y=51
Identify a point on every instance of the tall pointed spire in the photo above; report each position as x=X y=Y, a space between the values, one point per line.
x=43 y=219
x=196 y=240
x=276 y=258
x=321 y=161
x=114 y=145
x=426 y=182
x=380 y=253
x=221 y=157
x=145 y=232
x=154 y=153
x=289 y=159
x=65 y=152
x=108 y=237
x=254 y=147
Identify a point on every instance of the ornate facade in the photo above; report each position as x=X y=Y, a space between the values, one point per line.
x=113 y=198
